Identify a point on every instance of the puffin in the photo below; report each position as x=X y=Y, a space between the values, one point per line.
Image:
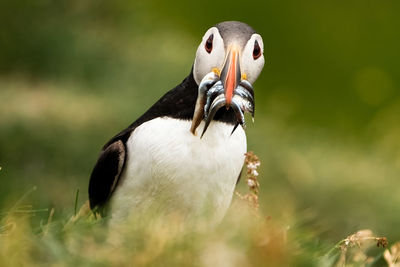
x=185 y=154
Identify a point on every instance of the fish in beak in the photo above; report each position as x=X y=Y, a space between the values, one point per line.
x=223 y=88
x=208 y=81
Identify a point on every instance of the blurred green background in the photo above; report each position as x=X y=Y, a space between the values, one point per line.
x=327 y=131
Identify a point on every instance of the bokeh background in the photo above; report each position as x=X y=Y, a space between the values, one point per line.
x=327 y=126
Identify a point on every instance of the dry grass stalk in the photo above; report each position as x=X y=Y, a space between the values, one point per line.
x=361 y=240
x=252 y=163
x=392 y=256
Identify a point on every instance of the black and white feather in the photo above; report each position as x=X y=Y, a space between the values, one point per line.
x=159 y=164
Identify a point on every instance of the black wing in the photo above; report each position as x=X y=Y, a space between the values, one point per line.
x=106 y=173
x=178 y=102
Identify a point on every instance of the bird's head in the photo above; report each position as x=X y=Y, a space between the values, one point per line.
x=231 y=52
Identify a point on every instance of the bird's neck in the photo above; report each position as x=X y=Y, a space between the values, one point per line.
x=179 y=103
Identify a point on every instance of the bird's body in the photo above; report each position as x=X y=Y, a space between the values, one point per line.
x=180 y=173
x=159 y=164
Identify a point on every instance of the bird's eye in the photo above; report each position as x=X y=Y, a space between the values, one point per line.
x=256 y=50
x=209 y=43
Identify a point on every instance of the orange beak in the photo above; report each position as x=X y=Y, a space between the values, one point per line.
x=230 y=74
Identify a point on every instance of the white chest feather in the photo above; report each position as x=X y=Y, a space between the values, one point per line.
x=168 y=169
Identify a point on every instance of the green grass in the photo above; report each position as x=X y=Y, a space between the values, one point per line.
x=244 y=238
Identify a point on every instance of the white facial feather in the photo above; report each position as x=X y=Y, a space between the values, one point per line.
x=205 y=61
x=250 y=66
